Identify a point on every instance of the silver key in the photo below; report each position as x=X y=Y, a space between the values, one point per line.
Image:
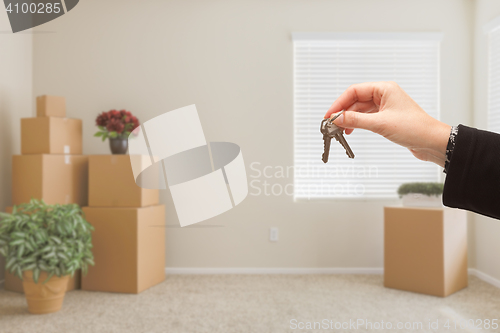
x=326 y=147
x=328 y=128
x=339 y=136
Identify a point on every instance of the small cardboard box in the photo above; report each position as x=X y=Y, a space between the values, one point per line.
x=59 y=179
x=51 y=135
x=14 y=283
x=50 y=106
x=112 y=184
x=128 y=248
x=425 y=250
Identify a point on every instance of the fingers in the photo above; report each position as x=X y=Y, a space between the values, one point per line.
x=358 y=93
x=366 y=107
x=354 y=119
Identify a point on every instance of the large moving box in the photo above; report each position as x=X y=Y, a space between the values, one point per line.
x=51 y=135
x=59 y=179
x=425 y=250
x=50 y=106
x=128 y=248
x=112 y=183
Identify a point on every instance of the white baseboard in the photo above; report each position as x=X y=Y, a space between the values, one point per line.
x=296 y=271
x=485 y=277
x=264 y=270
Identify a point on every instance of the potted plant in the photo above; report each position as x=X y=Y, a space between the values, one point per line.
x=117 y=126
x=421 y=194
x=43 y=245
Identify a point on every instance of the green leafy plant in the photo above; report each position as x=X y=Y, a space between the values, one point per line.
x=52 y=238
x=422 y=188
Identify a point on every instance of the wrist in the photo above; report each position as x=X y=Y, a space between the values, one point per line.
x=439 y=138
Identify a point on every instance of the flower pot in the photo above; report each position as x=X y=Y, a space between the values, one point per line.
x=118 y=145
x=422 y=200
x=44 y=297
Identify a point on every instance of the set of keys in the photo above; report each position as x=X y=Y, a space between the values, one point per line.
x=329 y=131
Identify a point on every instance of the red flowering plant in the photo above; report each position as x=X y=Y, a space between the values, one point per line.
x=115 y=124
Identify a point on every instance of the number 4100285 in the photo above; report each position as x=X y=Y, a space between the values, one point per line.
x=472 y=324
x=38 y=8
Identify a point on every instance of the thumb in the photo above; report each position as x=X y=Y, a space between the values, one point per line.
x=354 y=119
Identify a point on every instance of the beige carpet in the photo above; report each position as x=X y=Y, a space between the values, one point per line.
x=253 y=303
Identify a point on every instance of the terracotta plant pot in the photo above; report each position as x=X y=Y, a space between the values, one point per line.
x=118 y=145
x=44 y=297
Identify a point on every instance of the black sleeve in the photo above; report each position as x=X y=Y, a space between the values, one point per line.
x=473 y=175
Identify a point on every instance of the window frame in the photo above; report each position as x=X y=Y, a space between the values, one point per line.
x=326 y=36
x=491 y=27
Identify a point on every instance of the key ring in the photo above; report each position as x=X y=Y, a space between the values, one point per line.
x=321 y=127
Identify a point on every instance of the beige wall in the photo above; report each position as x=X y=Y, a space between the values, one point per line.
x=233 y=59
x=15 y=101
x=486 y=230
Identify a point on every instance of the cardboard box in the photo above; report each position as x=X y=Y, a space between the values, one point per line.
x=112 y=183
x=425 y=250
x=128 y=248
x=13 y=283
x=54 y=178
x=50 y=106
x=51 y=135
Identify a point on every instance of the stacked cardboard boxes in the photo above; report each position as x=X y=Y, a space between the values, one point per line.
x=129 y=235
x=50 y=166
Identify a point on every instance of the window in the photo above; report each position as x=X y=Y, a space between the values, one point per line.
x=325 y=64
x=493 y=30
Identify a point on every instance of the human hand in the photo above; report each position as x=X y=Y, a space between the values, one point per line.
x=386 y=109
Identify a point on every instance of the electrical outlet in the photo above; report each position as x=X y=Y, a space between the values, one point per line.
x=273 y=234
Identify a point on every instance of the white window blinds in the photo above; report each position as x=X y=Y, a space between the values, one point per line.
x=325 y=64
x=494 y=79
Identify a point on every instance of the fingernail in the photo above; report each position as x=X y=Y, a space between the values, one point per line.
x=339 y=120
